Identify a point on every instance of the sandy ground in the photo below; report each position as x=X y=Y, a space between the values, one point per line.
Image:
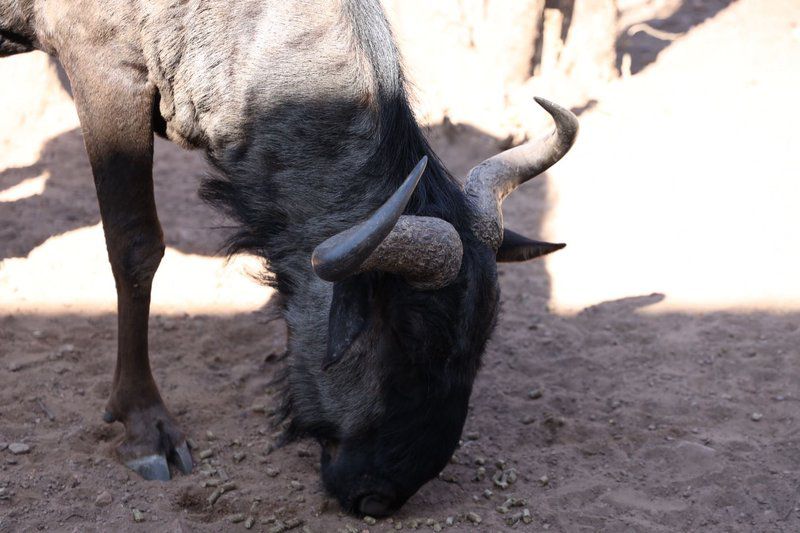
x=640 y=382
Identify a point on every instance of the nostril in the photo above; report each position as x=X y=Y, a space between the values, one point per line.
x=374 y=505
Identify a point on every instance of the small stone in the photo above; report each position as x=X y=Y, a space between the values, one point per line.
x=475 y=518
x=488 y=494
x=544 y=480
x=236 y=518
x=528 y=420
x=248 y=524
x=503 y=478
x=138 y=516
x=205 y=454
x=103 y=499
x=191 y=443
x=238 y=457
x=210 y=435
x=480 y=474
x=296 y=485
x=437 y=526
x=273 y=472
x=19 y=448
x=413 y=523
x=229 y=486
x=513 y=519
x=472 y=435
x=370 y=520
x=651 y=427
x=535 y=394
x=755 y=417
x=259 y=408
x=526 y=516
x=449 y=521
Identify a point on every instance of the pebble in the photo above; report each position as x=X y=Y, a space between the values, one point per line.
x=475 y=518
x=544 y=480
x=296 y=485
x=472 y=435
x=273 y=472
x=755 y=417
x=449 y=521
x=236 y=518
x=138 y=516
x=3 y=446
x=535 y=394
x=205 y=454
x=19 y=448
x=526 y=516
x=480 y=474
x=488 y=494
x=503 y=478
x=370 y=520
x=249 y=522
x=103 y=499
x=528 y=420
x=238 y=457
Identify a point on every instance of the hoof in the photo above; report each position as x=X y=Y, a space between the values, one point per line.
x=150 y=467
x=153 y=442
x=182 y=459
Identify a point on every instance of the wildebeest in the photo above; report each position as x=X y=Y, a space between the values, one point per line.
x=387 y=266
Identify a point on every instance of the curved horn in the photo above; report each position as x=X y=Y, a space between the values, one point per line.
x=424 y=250
x=491 y=181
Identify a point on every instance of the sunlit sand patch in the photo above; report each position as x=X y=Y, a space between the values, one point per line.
x=693 y=194
x=25 y=189
x=70 y=273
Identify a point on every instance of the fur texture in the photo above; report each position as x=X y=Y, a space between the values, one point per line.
x=303 y=112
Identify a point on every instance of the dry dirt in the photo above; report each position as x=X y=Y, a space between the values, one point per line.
x=614 y=419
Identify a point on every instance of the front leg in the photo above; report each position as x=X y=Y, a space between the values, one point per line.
x=115 y=107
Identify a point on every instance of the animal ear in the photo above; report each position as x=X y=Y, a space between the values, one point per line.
x=349 y=315
x=516 y=248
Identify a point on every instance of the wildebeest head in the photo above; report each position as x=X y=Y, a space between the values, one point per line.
x=413 y=303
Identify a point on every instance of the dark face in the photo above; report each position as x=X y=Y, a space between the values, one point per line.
x=428 y=346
